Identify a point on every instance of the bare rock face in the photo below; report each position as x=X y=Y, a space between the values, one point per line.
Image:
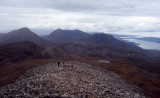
x=70 y=80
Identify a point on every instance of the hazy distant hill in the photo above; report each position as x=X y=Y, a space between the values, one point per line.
x=152 y=39
x=20 y=35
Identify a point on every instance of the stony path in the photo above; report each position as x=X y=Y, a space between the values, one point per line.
x=69 y=80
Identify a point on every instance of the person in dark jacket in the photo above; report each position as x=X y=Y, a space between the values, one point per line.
x=58 y=63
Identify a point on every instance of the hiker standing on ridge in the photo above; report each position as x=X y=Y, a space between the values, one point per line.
x=58 y=63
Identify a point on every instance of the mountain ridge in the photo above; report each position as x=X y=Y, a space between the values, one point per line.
x=71 y=80
x=66 y=36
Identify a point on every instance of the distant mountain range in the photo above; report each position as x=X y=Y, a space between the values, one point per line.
x=60 y=36
x=70 y=37
x=75 y=42
x=76 y=36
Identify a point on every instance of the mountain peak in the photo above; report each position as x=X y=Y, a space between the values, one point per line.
x=23 y=30
x=20 y=35
x=66 y=36
x=67 y=31
x=58 y=30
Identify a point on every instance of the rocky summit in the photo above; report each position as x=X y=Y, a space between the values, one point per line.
x=70 y=79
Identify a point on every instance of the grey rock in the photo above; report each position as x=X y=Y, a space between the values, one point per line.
x=78 y=81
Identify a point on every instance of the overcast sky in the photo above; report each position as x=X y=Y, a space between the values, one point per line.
x=140 y=17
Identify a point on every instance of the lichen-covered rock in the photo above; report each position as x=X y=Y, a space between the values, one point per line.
x=70 y=80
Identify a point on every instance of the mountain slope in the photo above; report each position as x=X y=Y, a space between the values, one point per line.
x=20 y=35
x=2 y=35
x=102 y=38
x=10 y=53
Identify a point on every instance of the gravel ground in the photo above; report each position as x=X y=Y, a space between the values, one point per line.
x=70 y=80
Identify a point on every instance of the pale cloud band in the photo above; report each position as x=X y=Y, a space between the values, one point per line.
x=113 y=16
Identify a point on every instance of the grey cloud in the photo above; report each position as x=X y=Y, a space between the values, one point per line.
x=88 y=15
x=115 y=7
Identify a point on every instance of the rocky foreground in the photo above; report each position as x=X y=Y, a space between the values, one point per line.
x=70 y=80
